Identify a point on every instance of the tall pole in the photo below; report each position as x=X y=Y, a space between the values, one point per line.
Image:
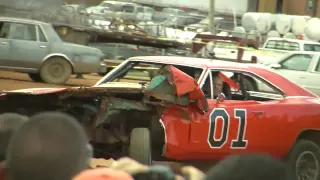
x=211 y=16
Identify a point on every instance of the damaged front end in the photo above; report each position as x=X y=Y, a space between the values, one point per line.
x=109 y=113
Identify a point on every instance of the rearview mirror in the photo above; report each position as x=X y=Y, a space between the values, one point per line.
x=275 y=66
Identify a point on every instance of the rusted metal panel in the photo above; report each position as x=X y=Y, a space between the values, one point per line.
x=176 y=87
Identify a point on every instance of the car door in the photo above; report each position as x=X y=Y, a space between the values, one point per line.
x=5 y=44
x=296 y=68
x=29 y=44
x=224 y=50
x=232 y=126
x=311 y=78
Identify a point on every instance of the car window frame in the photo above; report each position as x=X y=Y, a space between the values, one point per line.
x=310 y=44
x=288 y=58
x=251 y=74
x=282 y=42
x=317 y=65
x=8 y=29
x=39 y=29
x=126 y=62
x=13 y=22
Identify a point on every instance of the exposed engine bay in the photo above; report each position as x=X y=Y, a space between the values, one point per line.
x=108 y=114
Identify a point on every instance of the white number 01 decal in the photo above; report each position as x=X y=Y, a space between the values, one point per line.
x=239 y=142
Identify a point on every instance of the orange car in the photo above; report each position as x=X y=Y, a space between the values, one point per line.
x=168 y=107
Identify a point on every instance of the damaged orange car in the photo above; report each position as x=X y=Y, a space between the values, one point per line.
x=152 y=108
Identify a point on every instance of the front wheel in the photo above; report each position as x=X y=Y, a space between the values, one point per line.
x=56 y=71
x=140 y=146
x=304 y=160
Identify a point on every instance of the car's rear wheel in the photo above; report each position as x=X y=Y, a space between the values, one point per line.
x=35 y=77
x=56 y=71
x=140 y=145
x=304 y=160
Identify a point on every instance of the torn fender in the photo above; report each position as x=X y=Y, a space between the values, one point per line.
x=174 y=86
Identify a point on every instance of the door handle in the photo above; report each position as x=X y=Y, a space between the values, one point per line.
x=43 y=46
x=5 y=43
x=258 y=112
x=302 y=77
x=233 y=51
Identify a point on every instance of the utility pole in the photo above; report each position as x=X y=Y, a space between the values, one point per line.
x=212 y=26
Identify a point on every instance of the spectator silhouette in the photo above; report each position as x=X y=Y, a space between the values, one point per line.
x=9 y=124
x=50 y=146
x=249 y=167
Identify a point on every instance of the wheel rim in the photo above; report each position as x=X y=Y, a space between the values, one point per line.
x=56 y=70
x=307 y=166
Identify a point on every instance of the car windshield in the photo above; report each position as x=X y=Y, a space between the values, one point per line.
x=143 y=72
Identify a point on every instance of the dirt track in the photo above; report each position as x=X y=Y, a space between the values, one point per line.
x=12 y=81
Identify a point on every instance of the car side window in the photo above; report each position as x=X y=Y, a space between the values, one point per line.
x=312 y=47
x=42 y=37
x=139 y=9
x=21 y=31
x=299 y=62
x=4 y=29
x=282 y=45
x=238 y=86
x=149 y=10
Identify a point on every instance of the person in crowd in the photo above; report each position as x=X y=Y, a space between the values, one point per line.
x=103 y=174
x=9 y=124
x=155 y=172
x=51 y=145
x=249 y=167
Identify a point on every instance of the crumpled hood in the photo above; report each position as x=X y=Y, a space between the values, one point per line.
x=171 y=86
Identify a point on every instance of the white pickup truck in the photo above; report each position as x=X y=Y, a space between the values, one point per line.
x=273 y=48
x=285 y=45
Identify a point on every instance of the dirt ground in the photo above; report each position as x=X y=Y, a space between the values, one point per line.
x=13 y=80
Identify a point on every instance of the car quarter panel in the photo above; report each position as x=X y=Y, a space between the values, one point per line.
x=272 y=131
x=83 y=59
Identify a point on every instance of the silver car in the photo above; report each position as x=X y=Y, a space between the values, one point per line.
x=303 y=68
x=35 y=48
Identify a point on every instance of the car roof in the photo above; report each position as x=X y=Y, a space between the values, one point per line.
x=21 y=20
x=304 y=52
x=290 y=88
x=292 y=40
x=119 y=2
x=190 y=61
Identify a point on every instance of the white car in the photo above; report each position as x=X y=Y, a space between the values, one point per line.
x=303 y=68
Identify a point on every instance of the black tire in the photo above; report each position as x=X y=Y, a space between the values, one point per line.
x=35 y=77
x=301 y=148
x=140 y=145
x=55 y=64
x=249 y=85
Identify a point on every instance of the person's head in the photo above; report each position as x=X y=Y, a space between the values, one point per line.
x=103 y=174
x=9 y=124
x=249 y=167
x=217 y=85
x=51 y=145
